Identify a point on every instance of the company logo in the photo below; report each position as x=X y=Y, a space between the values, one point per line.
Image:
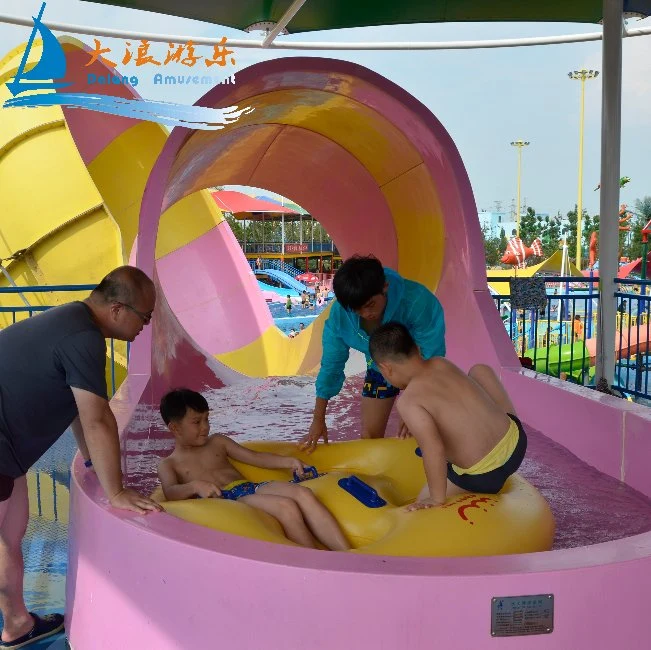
x=50 y=71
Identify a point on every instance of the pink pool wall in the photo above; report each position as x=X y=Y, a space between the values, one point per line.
x=159 y=582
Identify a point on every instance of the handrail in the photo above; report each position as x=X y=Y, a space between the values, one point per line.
x=48 y=288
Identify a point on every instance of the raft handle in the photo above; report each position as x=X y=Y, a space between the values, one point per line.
x=363 y=492
x=309 y=473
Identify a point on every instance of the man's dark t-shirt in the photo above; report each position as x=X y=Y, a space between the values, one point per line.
x=41 y=359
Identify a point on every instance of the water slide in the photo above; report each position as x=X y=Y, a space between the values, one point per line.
x=285 y=279
x=398 y=171
x=73 y=225
x=276 y=294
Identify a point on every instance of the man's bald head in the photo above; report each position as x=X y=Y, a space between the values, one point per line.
x=126 y=284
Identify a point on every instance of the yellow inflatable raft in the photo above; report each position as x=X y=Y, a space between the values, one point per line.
x=388 y=475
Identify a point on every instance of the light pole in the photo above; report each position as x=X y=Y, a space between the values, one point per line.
x=519 y=144
x=581 y=75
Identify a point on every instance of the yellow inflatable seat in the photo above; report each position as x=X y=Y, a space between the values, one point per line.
x=518 y=520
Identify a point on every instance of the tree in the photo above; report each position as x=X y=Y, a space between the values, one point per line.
x=236 y=226
x=504 y=242
x=492 y=248
x=569 y=231
x=551 y=234
x=529 y=226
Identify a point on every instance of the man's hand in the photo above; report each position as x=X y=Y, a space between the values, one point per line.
x=403 y=431
x=206 y=489
x=128 y=499
x=318 y=430
x=423 y=505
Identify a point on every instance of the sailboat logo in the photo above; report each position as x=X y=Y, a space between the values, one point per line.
x=51 y=66
x=49 y=72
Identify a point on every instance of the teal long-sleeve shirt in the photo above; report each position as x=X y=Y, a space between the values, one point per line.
x=408 y=302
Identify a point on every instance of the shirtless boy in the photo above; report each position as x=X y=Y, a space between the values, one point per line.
x=200 y=466
x=469 y=435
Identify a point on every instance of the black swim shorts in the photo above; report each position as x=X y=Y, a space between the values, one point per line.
x=6 y=487
x=492 y=482
x=375 y=385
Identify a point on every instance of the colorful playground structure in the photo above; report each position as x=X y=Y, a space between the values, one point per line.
x=399 y=173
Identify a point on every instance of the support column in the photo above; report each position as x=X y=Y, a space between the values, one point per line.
x=611 y=122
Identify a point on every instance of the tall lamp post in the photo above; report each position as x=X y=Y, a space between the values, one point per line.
x=520 y=144
x=581 y=75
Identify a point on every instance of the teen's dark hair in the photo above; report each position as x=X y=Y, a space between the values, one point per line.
x=358 y=280
x=176 y=403
x=391 y=340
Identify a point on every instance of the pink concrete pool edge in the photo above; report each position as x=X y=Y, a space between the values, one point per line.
x=371 y=602
x=155 y=581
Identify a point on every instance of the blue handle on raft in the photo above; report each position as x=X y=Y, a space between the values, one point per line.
x=363 y=492
x=309 y=473
x=419 y=452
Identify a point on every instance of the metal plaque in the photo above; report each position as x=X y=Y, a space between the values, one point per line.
x=522 y=615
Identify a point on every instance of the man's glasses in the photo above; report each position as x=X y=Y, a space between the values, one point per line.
x=146 y=318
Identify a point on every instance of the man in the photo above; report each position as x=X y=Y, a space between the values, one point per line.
x=53 y=377
x=367 y=296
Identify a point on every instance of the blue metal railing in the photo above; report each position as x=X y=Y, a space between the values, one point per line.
x=553 y=341
x=634 y=310
x=278 y=265
x=31 y=310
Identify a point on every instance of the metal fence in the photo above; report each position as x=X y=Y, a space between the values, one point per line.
x=560 y=340
x=27 y=310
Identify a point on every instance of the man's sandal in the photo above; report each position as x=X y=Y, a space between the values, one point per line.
x=44 y=626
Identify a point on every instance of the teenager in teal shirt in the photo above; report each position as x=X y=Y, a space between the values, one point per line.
x=367 y=296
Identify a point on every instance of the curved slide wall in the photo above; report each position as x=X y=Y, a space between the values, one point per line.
x=72 y=185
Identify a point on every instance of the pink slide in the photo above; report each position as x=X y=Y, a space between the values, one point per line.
x=381 y=173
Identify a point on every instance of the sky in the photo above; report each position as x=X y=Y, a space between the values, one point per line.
x=484 y=98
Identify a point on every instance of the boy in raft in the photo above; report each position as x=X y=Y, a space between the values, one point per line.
x=465 y=425
x=199 y=466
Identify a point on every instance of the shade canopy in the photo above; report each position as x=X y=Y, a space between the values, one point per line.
x=337 y=14
x=243 y=206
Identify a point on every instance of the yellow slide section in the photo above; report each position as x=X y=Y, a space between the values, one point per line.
x=64 y=223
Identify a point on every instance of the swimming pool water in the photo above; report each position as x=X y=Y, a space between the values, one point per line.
x=286 y=322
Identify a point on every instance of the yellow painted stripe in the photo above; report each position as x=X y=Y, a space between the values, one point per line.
x=274 y=354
